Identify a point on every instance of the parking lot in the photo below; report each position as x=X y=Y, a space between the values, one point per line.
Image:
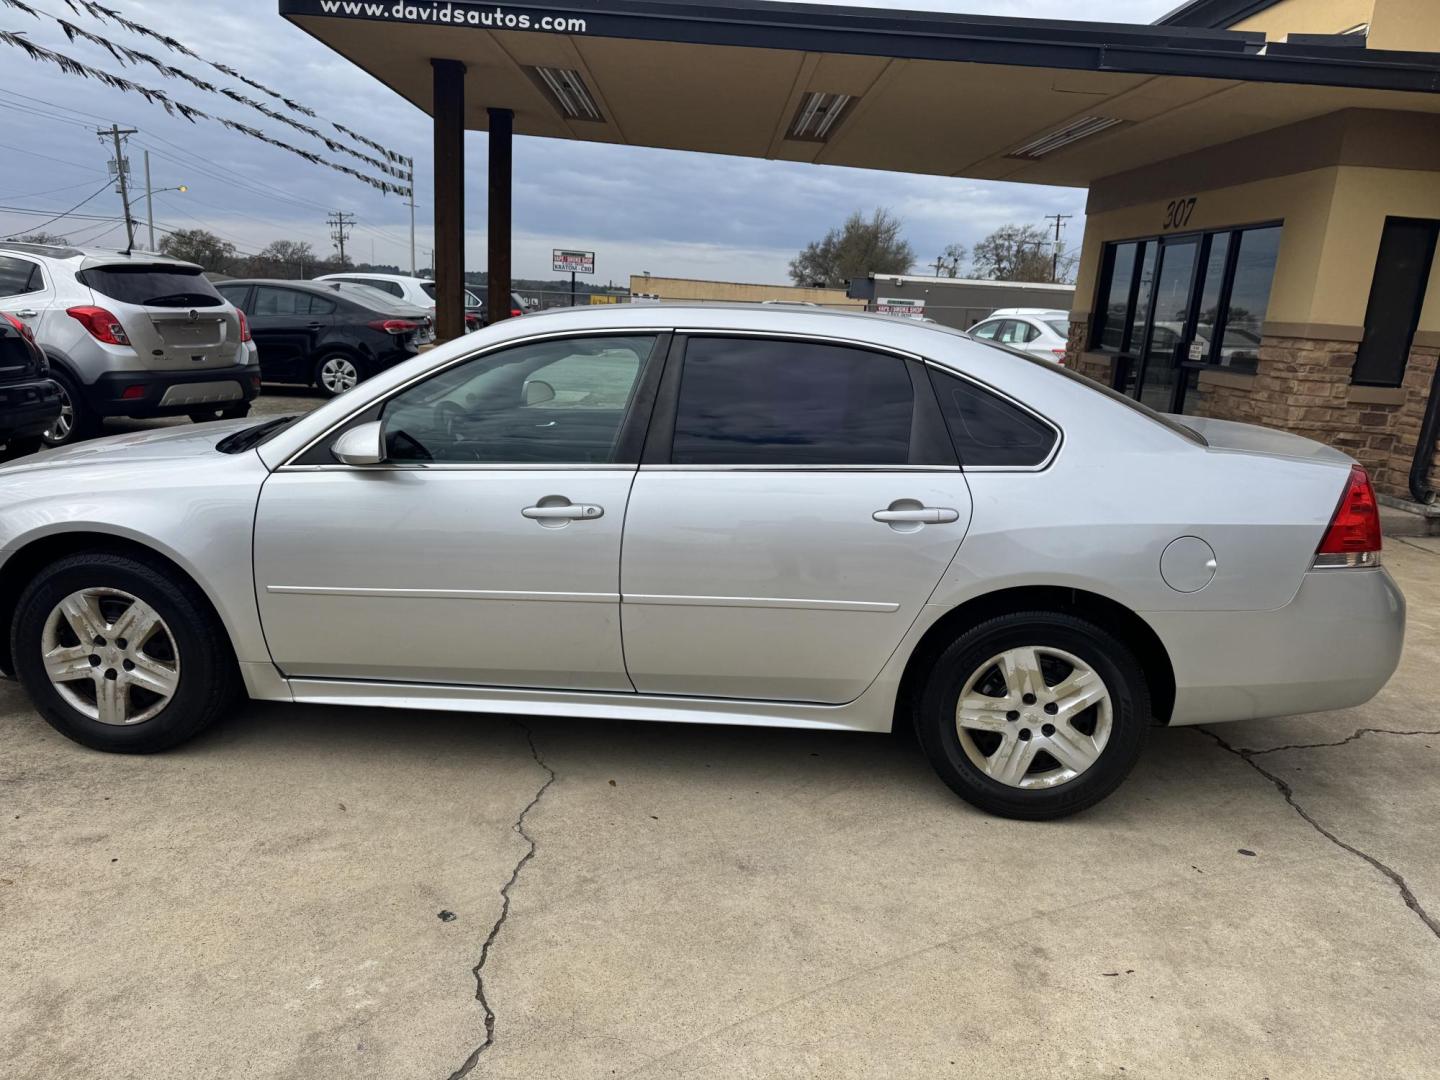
x=308 y=892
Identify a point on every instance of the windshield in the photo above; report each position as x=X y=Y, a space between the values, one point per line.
x=152 y=286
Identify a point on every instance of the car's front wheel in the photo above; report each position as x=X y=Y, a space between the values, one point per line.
x=121 y=654
x=335 y=373
x=1034 y=715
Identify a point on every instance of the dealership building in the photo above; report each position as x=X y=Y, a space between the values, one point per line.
x=1263 y=175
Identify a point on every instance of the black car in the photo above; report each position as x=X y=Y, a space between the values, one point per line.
x=29 y=399
x=325 y=333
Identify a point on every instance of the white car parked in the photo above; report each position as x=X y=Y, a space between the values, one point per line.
x=1042 y=331
x=413 y=290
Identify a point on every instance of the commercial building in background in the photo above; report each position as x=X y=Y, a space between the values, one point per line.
x=1264 y=175
x=1288 y=277
x=957 y=302
x=735 y=292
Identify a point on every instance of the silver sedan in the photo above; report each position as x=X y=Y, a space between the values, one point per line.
x=762 y=516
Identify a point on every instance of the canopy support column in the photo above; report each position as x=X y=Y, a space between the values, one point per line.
x=449 y=268
x=502 y=129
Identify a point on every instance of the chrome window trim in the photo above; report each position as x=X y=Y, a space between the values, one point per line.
x=804 y=468
x=462 y=466
x=1056 y=428
x=626 y=331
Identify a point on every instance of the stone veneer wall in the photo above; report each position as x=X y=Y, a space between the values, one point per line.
x=1303 y=385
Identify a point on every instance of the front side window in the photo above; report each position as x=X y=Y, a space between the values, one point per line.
x=754 y=401
x=549 y=402
x=985 y=331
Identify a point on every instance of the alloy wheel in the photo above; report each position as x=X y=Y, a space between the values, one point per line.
x=60 y=430
x=110 y=656
x=1034 y=717
x=338 y=374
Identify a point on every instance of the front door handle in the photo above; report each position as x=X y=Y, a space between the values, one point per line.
x=923 y=515
x=28 y=313
x=556 y=510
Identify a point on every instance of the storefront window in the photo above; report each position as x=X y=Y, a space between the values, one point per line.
x=1220 y=319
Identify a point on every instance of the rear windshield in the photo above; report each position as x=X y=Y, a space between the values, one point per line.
x=152 y=286
x=1060 y=326
x=366 y=296
x=429 y=288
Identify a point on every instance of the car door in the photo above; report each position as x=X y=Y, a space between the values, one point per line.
x=798 y=503
x=284 y=330
x=485 y=550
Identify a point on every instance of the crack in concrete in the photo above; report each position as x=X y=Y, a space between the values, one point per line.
x=479 y=969
x=1322 y=745
x=1288 y=793
x=1409 y=544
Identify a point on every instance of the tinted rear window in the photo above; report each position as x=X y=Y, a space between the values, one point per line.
x=988 y=431
x=749 y=401
x=152 y=286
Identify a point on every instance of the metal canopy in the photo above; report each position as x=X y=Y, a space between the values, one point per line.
x=917 y=92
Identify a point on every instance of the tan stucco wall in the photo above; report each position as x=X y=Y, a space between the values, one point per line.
x=1310 y=17
x=737 y=291
x=1412 y=25
x=1406 y=25
x=1333 y=215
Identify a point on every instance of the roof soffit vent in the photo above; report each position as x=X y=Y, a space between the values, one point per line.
x=819 y=115
x=1082 y=128
x=567 y=91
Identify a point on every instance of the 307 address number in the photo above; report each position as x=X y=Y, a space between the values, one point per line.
x=1177 y=213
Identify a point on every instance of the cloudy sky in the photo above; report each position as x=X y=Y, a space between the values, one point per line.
x=700 y=215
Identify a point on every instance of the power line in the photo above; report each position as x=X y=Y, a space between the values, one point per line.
x=47 y=157
x=51 y=191
x=340 y=225
x=67 y=213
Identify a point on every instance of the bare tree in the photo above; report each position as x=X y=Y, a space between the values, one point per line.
x=1013 y=253
x=861 y=246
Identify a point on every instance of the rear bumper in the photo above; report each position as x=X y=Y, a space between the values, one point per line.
x=1333 y=647
x=27 y=408
x=171 y=393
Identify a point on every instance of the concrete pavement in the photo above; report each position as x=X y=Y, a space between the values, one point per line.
x=718 y=903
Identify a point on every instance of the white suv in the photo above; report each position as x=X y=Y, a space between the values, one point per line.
x=133 y=334
x=1041 y=331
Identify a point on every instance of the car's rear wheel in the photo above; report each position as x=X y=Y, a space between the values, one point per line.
x=120 y=654
x=1034 y=715
x=75 y=421
x=335 y=373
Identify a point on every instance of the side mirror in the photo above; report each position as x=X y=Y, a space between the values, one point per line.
x=538 y=391
x=362 y=445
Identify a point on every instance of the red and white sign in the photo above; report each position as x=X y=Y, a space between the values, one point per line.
x=910 y=309
x=573 y=262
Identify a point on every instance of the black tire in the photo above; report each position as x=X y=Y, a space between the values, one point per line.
x=341 y=357
x=83 y=423
x=209 y=681
x=970 y=655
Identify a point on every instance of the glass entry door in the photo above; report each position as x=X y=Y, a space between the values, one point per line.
x=1160 y=383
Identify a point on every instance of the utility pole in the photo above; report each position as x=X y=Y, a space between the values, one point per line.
x=122 y=167
x=340 y=224
x=1059 y=220
x=149 y=203
x=414 y=267
x=939 y=264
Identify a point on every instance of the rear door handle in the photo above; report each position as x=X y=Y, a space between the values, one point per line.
x=28 y=313
x=565 y=512
x=925 y=515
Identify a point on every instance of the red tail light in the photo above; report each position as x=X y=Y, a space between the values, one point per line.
x=25 y=331
x=394 y=326
x=1353 y=537
x=515 y=313
x=244 y=326
x=102 y=325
